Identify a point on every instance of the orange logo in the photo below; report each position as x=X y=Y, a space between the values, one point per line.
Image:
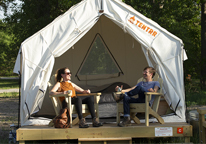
x=142 y=26
x=180 y=130
x=132 y=19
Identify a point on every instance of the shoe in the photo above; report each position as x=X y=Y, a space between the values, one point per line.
x=82 y=123
x=96 y=123
x=125 y=122
x=117 y=97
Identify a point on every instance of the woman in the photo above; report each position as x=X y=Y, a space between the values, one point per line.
x=64 y=86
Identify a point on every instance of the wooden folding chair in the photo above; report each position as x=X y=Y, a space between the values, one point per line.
x=143 y=107
x=58 y=105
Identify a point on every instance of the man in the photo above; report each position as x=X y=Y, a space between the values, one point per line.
x=144 y=86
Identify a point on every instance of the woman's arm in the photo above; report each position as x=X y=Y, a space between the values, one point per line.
x=55 y=88
x=79 y=89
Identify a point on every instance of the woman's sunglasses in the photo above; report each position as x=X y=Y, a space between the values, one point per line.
x=68 y=73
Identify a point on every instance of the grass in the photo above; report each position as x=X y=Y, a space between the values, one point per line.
x=9 y=83
x=195 y=98
x=193 y=93
x=9 y=95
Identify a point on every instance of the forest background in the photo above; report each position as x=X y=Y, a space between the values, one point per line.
x=184 y=18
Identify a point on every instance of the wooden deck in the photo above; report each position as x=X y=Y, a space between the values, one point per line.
x=110 y=131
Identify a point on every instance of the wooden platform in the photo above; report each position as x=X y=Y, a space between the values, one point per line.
x=202 y=124
x=108 y=131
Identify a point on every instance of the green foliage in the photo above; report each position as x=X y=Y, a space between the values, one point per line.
x=26 y=20
x=9 y=83
x=201 y=1
x=181 y=18
x=7 y=59
x=35 y=15
x=193 y=94
x=9 y=95
x=195 y=98
x=4 y=4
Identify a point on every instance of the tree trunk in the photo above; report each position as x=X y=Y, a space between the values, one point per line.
x=203 y=45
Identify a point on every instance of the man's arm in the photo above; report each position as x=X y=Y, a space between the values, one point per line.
x=125 y=90
x=153 y=90
x=156 y=88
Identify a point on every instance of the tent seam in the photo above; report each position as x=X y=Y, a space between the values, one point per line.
x=124 y=23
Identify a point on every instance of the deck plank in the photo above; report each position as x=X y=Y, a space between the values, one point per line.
x=107 y=131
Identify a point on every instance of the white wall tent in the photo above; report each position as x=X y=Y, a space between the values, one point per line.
x=131 y=40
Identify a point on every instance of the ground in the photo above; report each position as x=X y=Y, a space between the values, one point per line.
x=8 y=116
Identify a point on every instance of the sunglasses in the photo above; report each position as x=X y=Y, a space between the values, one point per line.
x=68 y=73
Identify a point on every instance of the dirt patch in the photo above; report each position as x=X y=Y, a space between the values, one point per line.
x=8 y=116
x=9 y=90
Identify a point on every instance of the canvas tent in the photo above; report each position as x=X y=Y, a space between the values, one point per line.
x=130 y=40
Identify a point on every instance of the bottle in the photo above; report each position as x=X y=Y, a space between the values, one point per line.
x=119 y=89
x=69 y=92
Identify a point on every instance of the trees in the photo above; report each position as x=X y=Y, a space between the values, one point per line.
x=182 y=18
x=4 y=4
x=34 y=15
x=203 y=44
x=6 y=57
x=30 y=17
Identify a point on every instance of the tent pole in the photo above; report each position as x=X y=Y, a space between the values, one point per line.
x=101 y=7
x=19 y=98
x=19 y=93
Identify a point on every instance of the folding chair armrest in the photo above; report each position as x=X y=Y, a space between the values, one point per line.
x=146 y=93
x=61 y=95
x=91 y=94
x=153 y=93
x=96 y=96
x=156 y=101
x=202 y=123
x=201 y=110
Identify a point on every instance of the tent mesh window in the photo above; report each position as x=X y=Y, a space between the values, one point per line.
x=98 y=63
